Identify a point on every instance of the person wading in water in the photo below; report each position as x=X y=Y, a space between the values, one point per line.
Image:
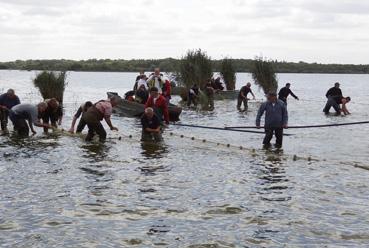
x=81 y=124
x=276 y=119
x=150 y=126
x=242 y=97
x=334 y=97
x=7 y=101
x=159 y=104
x=95 y=114
x=285 y=92
x=22 y=113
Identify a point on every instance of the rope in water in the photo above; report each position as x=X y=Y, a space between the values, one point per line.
x=306 y=126
x=223 y=129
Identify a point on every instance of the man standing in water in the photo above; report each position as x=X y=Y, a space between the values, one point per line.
x=285 y=92
x=242 y=97
x=150 y=126
x=95 y=114
x=7 y=101
x=276 y=119
x=334 y=98
x=22 y=113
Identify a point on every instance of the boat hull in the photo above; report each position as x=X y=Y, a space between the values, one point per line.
x=134 y=109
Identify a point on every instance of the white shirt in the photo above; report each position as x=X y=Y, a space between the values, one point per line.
x=142 y=82
x=157 y=83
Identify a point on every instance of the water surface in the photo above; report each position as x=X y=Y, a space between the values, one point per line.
x=56 y=190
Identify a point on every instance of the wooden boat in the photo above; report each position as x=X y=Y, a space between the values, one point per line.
x=134 y=109
x=219 y=95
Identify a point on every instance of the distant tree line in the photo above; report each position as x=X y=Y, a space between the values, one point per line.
x=172 y=65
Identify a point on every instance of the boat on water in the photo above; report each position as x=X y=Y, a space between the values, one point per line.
x=219 y=95
x=135 y=109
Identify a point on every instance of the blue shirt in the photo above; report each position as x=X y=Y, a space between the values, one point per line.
x=8 y=102
x=276 y=115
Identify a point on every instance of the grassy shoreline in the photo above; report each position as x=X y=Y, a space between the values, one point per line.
x=170 y=64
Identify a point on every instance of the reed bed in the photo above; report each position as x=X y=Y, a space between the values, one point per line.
x=51 y=84
x=228 y=73
x=264 y=75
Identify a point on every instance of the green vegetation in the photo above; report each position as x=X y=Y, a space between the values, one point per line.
x=195 y=67
x=51 y=84
x=172 y=65
x=264 y=75
x=228 y=73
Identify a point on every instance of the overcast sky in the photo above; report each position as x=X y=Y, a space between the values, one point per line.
x=292 y=30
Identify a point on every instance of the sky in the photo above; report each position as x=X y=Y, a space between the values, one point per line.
x=323 y=31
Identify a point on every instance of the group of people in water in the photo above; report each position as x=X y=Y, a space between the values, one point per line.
x=155 y=93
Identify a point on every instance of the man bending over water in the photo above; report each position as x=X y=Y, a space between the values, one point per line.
x=150 y=126
x=22 y=113
x=95 y=114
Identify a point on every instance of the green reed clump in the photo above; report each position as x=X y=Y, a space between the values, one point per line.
x=51 y=84
x=264 y=75
x=228 y=73
x=195 y=67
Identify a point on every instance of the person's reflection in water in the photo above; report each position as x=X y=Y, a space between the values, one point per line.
x=96 y=151
x=153 y=150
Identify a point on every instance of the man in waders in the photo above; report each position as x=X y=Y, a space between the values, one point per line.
x=150 y=126
x=242 y=97
x=334 y=97
x=53 y=114
x=7 y=101
x=285 y=92
x=95 y=114
x=81 y=124
x=23 y=113
x=276 y=119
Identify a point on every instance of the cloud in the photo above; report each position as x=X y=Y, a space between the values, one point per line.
x=311 y=30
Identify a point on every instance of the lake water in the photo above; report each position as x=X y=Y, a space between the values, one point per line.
x=58 y=191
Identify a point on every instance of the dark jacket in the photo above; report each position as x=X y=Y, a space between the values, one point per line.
x=8 y=102
x=276 y=116
x=245 y=90
x=160 y=106
x=335 y=93
x=152 y=123
x=284 y=93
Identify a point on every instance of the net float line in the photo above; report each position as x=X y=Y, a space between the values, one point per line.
x=305 y=126
x=224 y=129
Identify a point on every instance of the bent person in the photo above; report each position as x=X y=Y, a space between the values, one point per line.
x=150 y=126
x=334 y=97
x=23 y=113
x=276 y=119
x=335 y=104
x=242 y=97
x=7 y=101
x=53 y=114
x=81 y=124
x=285 y=92
x=95 y=114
